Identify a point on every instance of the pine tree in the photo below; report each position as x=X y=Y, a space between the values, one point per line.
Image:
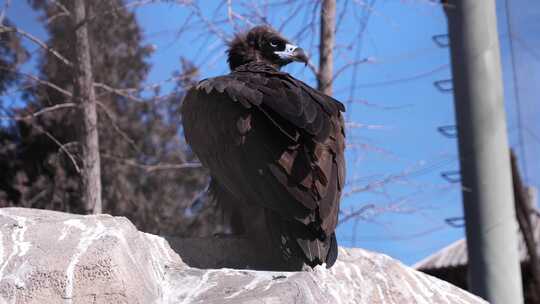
x=137 y=135
x=12 y=54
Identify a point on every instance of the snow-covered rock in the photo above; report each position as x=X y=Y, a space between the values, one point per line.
x=54 y=257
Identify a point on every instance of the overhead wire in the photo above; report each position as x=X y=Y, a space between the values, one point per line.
x=516 y=93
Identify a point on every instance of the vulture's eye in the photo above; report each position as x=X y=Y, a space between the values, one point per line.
x=274 y=43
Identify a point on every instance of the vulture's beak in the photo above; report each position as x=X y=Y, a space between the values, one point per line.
x=293 y=53
x=300 y=56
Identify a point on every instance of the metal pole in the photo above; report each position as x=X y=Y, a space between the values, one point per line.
x=488 y=200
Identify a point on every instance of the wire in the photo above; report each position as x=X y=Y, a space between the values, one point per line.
x=516 y=93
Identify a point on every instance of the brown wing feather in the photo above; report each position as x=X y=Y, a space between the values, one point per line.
x=271 y=140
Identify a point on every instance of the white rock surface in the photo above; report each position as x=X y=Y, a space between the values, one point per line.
x=53 y=257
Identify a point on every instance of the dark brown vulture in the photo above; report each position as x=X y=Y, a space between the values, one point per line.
x=274 y=147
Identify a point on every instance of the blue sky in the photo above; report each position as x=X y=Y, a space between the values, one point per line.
x=399 y=42
x=394 y=95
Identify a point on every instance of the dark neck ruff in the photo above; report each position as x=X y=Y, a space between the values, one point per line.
x=259 y=66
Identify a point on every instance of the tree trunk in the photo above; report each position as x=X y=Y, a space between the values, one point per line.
x=85 y=97
x=326 y=46
x=523 y=214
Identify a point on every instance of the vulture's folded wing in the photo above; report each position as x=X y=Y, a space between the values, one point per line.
x=271 y=140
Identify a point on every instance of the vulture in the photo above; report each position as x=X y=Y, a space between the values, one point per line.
x=274 y=147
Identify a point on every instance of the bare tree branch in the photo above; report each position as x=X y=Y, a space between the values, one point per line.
x=404 y=79
x=67 y=105
x=127 y=92
x=64 y=11
x=375 y=184
x=43 y=45
x=39 y=80
x=357 y=125
x=4 y=10
x=61 y=147
x=117 y=91
x=54 y=17
x=379 y=106
x=61 y=6
x=290 y=17
x=373 y=209
x=133 y=4
x=116 y=127
x=42 y=111
x=313 y=69
x=209 y=24
x=350 y=65
x=355 y=214
x=230 y=13
x=151 y=168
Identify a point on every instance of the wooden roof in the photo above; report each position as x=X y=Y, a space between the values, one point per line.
x=455 y=254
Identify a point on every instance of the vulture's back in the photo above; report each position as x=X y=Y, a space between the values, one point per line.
x=273 y=142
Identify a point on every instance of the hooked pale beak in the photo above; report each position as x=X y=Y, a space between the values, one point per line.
x=300 y=56
x=293 y=53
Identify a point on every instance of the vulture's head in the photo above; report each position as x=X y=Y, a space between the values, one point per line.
x=262 y=43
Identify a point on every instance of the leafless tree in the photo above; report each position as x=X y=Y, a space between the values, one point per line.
x=134 y=139
x=524 y=212
x=326 y=46
x=85 y=96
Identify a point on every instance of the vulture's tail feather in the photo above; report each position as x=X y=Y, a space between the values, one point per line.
x=297 y=240
x=332 y=255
